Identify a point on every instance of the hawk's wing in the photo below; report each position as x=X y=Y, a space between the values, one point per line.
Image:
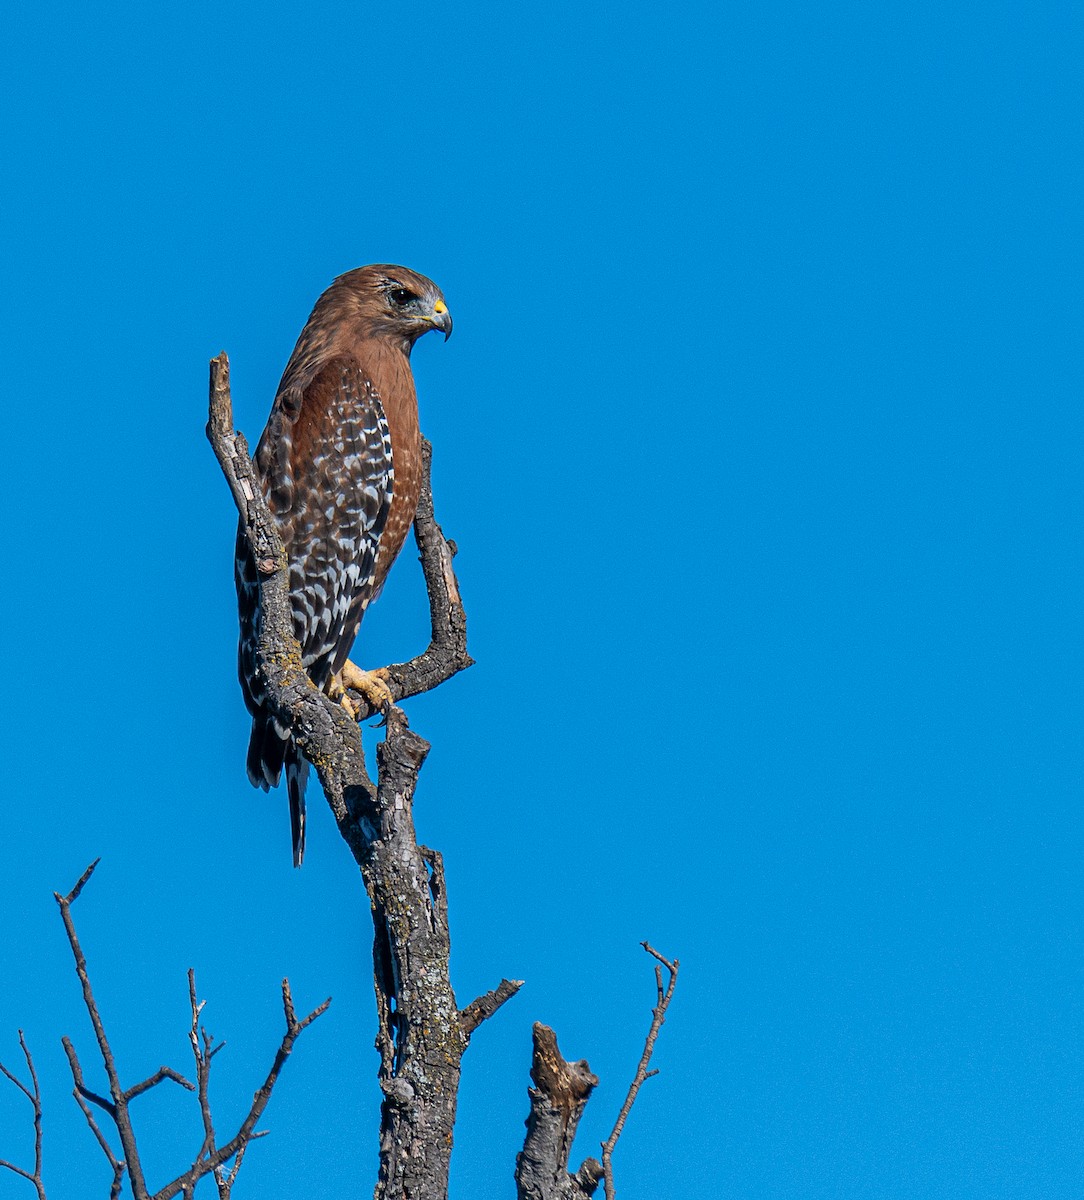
x=325 y=462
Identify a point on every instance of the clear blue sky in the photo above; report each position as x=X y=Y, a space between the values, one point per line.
x=761 y=436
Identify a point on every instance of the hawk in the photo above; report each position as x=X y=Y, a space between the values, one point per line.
x=340 y=466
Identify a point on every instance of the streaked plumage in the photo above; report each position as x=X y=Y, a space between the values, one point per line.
x=340 y=465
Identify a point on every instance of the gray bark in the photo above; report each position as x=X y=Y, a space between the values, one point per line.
x=559 y=1096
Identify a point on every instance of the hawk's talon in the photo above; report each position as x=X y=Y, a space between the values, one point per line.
x=337 y=693
x=371 y=684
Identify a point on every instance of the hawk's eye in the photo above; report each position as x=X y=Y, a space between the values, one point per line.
x=402 y=296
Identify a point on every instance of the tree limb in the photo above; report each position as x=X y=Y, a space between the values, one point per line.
x=209 y=1158
x=119 y=1108
x=446 y=654
x=558 y=1099
x=658 y=1016
x=34 y=1096
x=114 y=1162
x=77 y=1077
x=162 y=1073
x=205 y=1162
x=485 y=1006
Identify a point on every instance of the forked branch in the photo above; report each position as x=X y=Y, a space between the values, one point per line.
x=210 y=1158
x=33 y=1094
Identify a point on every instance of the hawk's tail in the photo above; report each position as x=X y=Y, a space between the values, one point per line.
x=269 y=750
x=297 y=774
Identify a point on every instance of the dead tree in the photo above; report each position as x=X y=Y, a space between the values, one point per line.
x=422 y=1033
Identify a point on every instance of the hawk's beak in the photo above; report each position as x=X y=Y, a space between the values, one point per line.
x=442 y=318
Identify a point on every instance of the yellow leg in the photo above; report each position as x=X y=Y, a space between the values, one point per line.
x=336 y=691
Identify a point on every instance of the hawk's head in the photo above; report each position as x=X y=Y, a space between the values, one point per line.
x=395 y=302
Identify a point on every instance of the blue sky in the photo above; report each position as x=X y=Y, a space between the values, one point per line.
x=760 y=435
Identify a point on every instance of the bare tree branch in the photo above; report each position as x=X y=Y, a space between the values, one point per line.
x=114 y=1162
x=559 y=1096
x=203 y=1051
x=420 y=1037
x=80 y=1086
x=34 y=1096
x=447 y=651
x=119 y=1108
x=210 y=1157
x=658 y=1016
x=485 y=1006
x=206 y=1163
x=159 y=1075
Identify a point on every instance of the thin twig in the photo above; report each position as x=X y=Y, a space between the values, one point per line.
x=210 y=1157
x=114 y=1162
x=203 y=1050
x=35 y=1099
x=82 y=1096
x=119 y=1108
x=658 y=1016
x=208 y=1162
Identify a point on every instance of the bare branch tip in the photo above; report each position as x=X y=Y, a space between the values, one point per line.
x=671 y=966
x=26 y=1055
x=73 y=895
x=288 y=1005
x=220 y=415
x=486 y=1005
x=154 y=1080
x=33 y=1096
x=220 y=371
x=316 y=1012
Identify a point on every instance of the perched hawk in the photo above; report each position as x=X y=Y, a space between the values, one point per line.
x=340 y=465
